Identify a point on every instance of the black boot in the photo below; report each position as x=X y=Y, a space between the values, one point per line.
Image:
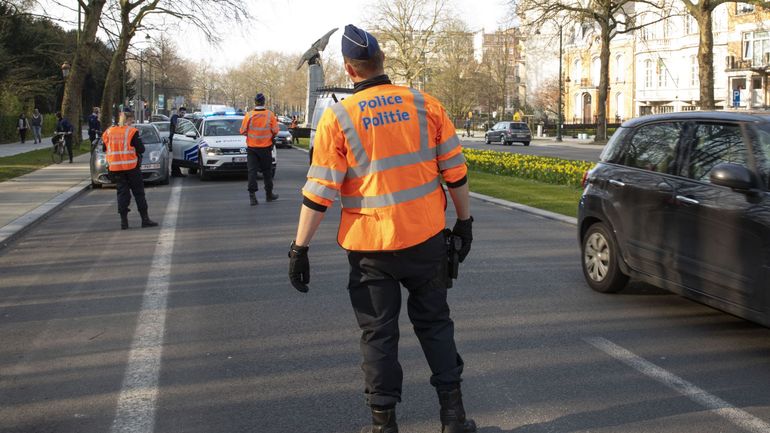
x=146 y=221
x=253 y=199
x=270 y=196
x=123 y=221
x=383 y=421
x=453 y=413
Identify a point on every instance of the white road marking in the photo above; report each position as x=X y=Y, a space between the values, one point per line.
x=138 y=395
x=714 y=404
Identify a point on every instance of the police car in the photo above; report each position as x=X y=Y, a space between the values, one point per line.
x=220 y=147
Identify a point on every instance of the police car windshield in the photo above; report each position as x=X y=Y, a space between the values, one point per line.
x=222 y=127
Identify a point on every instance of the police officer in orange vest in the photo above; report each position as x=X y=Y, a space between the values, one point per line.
x=384 y=151
x=124 y=150
x=260 y=126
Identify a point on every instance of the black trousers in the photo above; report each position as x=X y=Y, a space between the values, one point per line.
x=68 y=145
x=23 y=134
x=375 y=293
x=130 y=182
x=260 y=159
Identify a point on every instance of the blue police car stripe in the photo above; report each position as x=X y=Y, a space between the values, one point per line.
x=394 y=198
x=191 y=154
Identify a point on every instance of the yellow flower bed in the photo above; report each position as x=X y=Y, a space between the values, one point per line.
x=541 y=168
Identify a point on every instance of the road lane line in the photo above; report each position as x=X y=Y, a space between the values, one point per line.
x=138 y=395
x=714 y=404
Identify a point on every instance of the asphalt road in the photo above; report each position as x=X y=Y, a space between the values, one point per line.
x=584 y=152
x=192 y=327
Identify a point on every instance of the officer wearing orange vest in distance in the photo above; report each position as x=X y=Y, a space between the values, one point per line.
x=260 y=126
x=384 y=151
x=124 y=150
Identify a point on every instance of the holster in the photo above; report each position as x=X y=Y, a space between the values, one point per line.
x=453 y=244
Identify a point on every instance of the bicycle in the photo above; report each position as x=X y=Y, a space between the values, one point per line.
x=59 y=148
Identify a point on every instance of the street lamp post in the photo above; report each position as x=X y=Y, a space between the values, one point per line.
x=561 y=90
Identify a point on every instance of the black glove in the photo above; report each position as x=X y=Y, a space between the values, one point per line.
x=463 y=229
x=299 y=267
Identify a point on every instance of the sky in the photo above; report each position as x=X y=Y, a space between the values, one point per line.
x=291 y=26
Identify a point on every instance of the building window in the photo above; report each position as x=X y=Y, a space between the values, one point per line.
x=662 y=74
x=619 y=106
x=694 y=71
x=576 y=71
x=666 y=29
x=596 y=67
x=645 y=110
x=648 y=74
x=619 y=69
x=743 y=8
x=690 y=26
x=755 y=47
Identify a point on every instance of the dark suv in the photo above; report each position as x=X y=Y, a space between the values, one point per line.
x=508 y=132
x=681 y=201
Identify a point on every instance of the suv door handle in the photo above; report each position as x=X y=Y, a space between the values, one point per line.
x=687 y=200
x=617 y=182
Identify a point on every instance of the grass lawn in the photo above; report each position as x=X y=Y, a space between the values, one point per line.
x=555 y=198
x=302 y=142
x=23 y=163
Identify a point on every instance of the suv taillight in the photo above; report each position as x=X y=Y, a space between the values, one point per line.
x=585 y=179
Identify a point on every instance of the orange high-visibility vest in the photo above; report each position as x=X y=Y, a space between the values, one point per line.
x=121 y=155
x=260 y=126
x=384 y=151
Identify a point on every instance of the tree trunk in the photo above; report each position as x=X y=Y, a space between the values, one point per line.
x=705 y=56
x=604 y=84
x=73 y=87
x=112 y=82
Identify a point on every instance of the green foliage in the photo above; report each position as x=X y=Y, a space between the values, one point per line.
x=17 y=165
x=541 y=168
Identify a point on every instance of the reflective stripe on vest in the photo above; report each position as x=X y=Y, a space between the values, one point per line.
x=257 y=133
x=365 y=166
x=117 y=150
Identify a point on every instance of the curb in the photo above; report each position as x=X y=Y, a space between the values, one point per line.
x=524 y=208
x=13 y=230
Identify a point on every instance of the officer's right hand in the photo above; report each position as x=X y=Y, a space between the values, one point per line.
x=299 y=267
x=463 y=229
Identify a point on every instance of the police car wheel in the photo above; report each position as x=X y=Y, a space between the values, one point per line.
x=203 y=173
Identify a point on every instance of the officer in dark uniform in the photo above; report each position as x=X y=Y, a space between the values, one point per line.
x=392 y=225
x=176 y=171
x=124 y=149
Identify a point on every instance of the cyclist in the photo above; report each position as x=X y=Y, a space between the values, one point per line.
x=65 y=127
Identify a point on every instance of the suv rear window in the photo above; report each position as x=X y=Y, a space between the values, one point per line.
x=653 y=147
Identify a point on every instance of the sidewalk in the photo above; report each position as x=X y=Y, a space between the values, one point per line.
x=27 y=199
x=10 y=149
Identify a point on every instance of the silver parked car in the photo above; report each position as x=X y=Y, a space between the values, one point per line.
x=156 y=161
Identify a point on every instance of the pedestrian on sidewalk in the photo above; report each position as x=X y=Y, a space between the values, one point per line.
x=124 y=148
x=36 y=121
x=63 y=125
x=392 y=225
x=260 y=126
x=22 y=125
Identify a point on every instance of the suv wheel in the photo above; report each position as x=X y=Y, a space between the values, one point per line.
x=600 y=260
x=486 y=139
